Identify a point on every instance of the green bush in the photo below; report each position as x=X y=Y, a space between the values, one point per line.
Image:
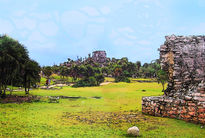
x=122 y=79
x=99 y=78
x=91 y=81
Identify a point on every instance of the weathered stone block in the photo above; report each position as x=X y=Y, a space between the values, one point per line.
x=183 y=58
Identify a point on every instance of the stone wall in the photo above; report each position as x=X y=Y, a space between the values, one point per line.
x=183 y=58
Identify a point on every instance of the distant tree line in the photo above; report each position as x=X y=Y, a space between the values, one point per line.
x=92 y=73
x=16 y=68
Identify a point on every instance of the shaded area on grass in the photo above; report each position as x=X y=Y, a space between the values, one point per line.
x=19 y=99
x=33 y=98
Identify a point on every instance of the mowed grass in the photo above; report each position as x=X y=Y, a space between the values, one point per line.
x=118 y=109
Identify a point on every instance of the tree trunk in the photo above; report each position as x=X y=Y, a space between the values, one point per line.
x=25 y=84
x=25 y=87
x=162 y=87
x=11 y=90
x=28 y=87
x=0 y=90
x=4 y=93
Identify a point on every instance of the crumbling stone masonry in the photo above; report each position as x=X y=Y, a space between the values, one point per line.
x=99 y=56
x=183 y=58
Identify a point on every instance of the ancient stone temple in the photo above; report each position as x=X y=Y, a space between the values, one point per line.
x=183 y=58
x=99 y=56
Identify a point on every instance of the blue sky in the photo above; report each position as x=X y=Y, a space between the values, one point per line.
x=53 y=30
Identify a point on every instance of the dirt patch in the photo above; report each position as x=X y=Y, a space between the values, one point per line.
x=19 y=99
x=75 y=97
x=115 y=119
x=105 y=83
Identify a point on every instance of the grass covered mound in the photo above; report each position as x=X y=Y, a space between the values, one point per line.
x=109 y=116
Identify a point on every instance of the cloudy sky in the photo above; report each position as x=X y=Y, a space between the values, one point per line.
x=53 y=30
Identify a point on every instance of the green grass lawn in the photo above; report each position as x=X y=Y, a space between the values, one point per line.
x=118 y=109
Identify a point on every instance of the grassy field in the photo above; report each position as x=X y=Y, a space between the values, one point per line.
x=110 y=116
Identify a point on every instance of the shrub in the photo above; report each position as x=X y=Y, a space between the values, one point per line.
x=99 y=78
x=122 y=79
x=91 y=81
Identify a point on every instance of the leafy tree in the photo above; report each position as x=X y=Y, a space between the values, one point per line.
x=74 y=72
x=99 y=78
x=120 y=75
x=31 y=74
x=138 y=64
x=63 y=71
x=56 y=69
x=162 y=78
x=91 y=76
x=47 y=71
x=13 y=56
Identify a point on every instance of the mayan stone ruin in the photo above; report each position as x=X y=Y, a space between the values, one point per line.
x=99 y=56
x=183 y=58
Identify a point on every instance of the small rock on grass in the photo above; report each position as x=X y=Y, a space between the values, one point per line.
x=133 y=131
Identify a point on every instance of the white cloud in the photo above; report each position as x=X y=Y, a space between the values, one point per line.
x=5 y=1
x=126 y=29
x=41 y=16
x=36 y=37
x=47 y=47
x=74 y=23
x=90 y=11
x=95 y=30
x=5 y=27
x=126 y=32
x=98 y=20
x=25 y=23
x=73 y=17
x=144 y=42
x=150 y=2
x=124 y=36
x=24 y=33
x=198 y=30
x=105 y=10
x=48 y=28
x=113 y=34
x=131 y=36
x=146 y=6
x=123 y=42
x=56 y=16
x=19 y=13
x=127 y=1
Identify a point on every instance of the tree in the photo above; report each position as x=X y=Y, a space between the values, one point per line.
x=13 y=56
x=99 y=78
x=74 y=72
x=47 y=71
x=138 y=63
x=31 y=74
x=162 y=78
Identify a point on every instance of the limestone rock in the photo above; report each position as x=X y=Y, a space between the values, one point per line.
x=183 y=58
x=133 y=131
